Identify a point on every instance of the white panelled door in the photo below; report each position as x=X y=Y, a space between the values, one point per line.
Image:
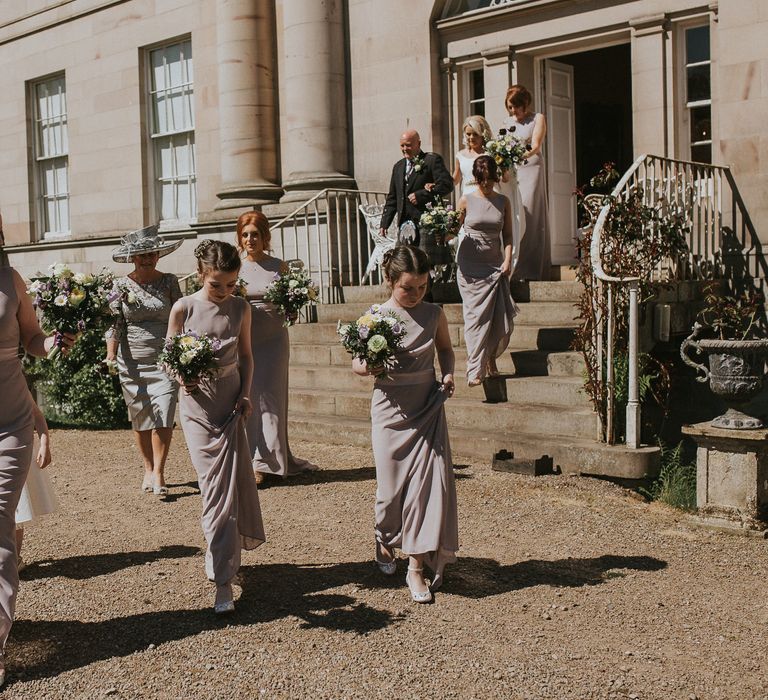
x=561 y=160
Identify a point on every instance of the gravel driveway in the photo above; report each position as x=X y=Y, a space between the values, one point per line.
x=565 y=588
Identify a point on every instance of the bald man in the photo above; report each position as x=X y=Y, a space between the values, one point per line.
x=408 y=193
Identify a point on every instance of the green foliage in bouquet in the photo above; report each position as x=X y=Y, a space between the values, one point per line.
x=77 y=393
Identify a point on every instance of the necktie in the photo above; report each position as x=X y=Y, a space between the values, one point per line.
x=408 y=168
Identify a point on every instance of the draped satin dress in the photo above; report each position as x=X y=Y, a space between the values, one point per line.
x=416 y=509
x=16 y=445
x=267 y=426
x=487 y=302
x=217 y=442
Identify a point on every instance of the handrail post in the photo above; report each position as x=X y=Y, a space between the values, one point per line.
x=633 y=393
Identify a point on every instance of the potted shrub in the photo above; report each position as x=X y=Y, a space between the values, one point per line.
x=730 y=330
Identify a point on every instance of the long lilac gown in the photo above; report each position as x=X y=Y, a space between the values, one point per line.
x=218 y=445
x=267 y=427
x=486 y=299
x=16 y=444
x=415 y=490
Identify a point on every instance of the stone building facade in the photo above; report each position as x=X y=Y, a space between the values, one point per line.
x=120 y=113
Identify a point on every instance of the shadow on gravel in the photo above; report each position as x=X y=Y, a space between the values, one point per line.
x=321 y=476
x=192 y=489
x=42 y=649
x=90 y=565
x=475 y=577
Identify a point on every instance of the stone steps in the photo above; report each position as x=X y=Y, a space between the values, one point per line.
x=569 y=455
x=524 y=337
x=546 y=412
x=554 y=391
x=541 y=313
x=466 y=412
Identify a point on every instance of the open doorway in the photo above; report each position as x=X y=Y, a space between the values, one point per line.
x=588 y=99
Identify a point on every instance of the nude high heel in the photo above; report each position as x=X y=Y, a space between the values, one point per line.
x=418 y=596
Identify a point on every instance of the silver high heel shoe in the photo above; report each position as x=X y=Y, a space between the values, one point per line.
x=388 y=568
x=226 y=604
x=418 y=596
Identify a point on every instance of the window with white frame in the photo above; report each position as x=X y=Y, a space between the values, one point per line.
x=172 y=131
x=475 y=91
x=698 y=93
x=51 y=154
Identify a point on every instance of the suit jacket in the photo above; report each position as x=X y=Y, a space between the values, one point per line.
x=433 y=170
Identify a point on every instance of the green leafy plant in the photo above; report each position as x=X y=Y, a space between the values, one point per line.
x=77 y=393
x=676 y=482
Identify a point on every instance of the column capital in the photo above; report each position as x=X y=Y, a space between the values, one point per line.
x=497 y=55
x=649 y=24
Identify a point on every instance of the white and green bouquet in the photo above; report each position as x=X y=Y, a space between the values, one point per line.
x=374 y=337
x=290 y=292
x=440 y=220
x=509 y=151
x=189 y=357
x=71 y=302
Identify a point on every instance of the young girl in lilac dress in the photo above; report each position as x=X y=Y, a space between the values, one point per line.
x=213 y=413
x=415 y=488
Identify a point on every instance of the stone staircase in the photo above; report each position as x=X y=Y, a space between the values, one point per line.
x=546 y=412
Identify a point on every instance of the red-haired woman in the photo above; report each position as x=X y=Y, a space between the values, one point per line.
x=534 y=258
x=267 y=426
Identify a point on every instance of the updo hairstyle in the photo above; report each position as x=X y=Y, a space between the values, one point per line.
x=216 y=256
x=404 y=259
x=479 y=126
x=518 y=96
x=484 y=170
x=261 y=223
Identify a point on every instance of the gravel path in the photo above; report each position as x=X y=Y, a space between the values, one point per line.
x=566 y=588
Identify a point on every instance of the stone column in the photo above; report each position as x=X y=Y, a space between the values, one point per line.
x=247 y=109
x=650 y=80
x=497 y=70
x=315 y=141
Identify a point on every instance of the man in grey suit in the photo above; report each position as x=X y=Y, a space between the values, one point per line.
x=417 y=179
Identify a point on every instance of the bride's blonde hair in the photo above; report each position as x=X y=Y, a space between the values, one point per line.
x=478 y=125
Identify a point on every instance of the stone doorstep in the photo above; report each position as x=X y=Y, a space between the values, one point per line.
x=569 y=455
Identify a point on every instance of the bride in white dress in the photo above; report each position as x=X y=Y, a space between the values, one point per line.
x=476 y=132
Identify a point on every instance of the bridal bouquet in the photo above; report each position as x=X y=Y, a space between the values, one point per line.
x=70 y=302
x=441 y=220
x=290 y=292
x=189 y=357
x=374 y=337
x=507 y=150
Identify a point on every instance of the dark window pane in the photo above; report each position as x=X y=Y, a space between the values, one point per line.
x=702 y=153
x=698 y=84
x=479 y=108
x=697 y=44
x=476 y=85
x=701 y=124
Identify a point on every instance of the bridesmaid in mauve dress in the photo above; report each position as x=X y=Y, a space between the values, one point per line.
x=415 y=490
x=534 y=259
x=212 y=416
x=18 y=326
x=267 y=426
x=483 y=268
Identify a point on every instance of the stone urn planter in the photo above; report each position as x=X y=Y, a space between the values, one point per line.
x=735 y=373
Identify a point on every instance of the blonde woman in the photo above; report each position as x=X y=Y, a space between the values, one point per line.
x=476 y=132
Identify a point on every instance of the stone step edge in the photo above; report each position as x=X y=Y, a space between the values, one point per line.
x=578 y=456
x=455 y=400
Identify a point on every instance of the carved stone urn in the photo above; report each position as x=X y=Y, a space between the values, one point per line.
x=735 y=373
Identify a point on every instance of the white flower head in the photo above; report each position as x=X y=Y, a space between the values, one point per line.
x=60 y=270
x=61 y=300
x=131 y=298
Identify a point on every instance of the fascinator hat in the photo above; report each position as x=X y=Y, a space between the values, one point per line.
x=145 y=240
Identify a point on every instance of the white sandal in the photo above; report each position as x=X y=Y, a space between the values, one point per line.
x=418 y=596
